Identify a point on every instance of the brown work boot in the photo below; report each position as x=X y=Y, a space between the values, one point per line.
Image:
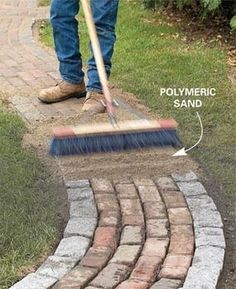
x=94 y=102
x=62 y=91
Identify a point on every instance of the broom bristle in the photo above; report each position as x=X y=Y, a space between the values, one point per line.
x=80 y=145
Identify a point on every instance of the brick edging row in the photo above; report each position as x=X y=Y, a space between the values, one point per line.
x=208 y=259
x=76 y=240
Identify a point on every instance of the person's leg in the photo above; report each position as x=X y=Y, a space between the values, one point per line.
x=66 y=39
x=105 y=16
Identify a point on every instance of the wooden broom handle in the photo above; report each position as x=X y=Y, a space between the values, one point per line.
x=97 y=52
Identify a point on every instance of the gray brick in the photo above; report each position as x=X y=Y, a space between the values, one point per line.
x=209 y=237
x=199 y=279
x=80 y=226
x=83 y=209
x=191 y=189
x=206 y=268
x=35 y=281
x=74 y=247
x=56 y=267
x=201 y=202
x=77 y=184
x=209 y=256
x=207 y=218
x=188 y=177
x=75 y=194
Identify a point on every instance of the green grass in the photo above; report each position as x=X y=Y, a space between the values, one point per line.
x=43 y=2
x=151 y=54
x=28 y=226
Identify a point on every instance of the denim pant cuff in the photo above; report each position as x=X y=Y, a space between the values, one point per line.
x=94 y=89
x=72 y=81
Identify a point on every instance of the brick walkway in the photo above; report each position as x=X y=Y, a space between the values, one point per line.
x=135 y=233
x=25 y=67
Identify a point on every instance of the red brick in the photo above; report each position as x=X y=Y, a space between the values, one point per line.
x=179 y=216
x=155 y=210
x=149 y=194
x=111 y=276
x=126 y=191
x=16 y=81
x=102 y=186
x=38 y=73
x=105 y=237
x=121 y=180
x=106 y=202
x=76 y=278
x=166 y=283
x=176 y=261
x=10 y=62
x=174 y=199
x=178 y=247
x=26 y=76
x=182 y=239
x=27 y=66
x=173 y=273
x=146 y=268
x=133 y=284
x=139 y=181
x=130 y=207
x=181 y=233
x=96 y=257
x=126 y=254
x=133 y=220
x=166 y=184
x=132 y=235
x=157 y=228
x=109 y=218
x=155 y=247
x=11 y=73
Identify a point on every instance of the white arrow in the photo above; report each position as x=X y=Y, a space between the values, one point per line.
x=183 y=151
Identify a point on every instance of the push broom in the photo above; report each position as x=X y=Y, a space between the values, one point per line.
x=111 y=136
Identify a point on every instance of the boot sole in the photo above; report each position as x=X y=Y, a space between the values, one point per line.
x=76 y=95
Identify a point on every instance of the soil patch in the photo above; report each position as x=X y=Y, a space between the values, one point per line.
x=209 y=30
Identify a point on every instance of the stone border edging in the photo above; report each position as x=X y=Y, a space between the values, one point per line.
x=76 y=240
x=208 y=259
x=209 y=252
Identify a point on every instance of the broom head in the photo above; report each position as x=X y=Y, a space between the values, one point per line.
x=99 y=138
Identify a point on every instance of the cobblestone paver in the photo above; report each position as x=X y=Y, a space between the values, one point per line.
x=160 y=247
x=127 y=233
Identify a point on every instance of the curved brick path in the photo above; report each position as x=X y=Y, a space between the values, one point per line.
x=135 y=233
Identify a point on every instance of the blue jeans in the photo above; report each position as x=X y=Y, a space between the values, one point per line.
x=67 y=42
